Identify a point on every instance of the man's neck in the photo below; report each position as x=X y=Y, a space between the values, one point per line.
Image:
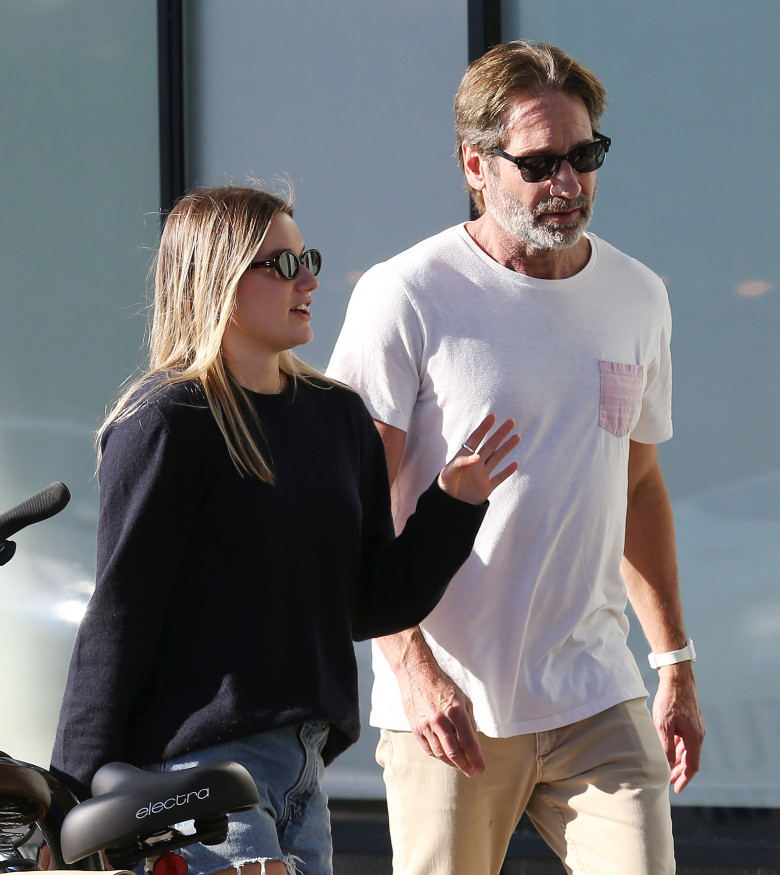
x=544 y=264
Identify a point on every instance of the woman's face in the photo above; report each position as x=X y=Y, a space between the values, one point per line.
x=271 y=313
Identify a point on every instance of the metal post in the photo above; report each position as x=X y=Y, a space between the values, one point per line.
x=170 y=61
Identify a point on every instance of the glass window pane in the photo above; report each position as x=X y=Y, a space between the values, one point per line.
x=80 y=190
x=688 y=82
x=355 y=108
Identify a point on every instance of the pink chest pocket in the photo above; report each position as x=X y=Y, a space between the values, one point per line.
x=621 y=397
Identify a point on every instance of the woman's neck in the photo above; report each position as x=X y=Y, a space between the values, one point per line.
x=265 y=378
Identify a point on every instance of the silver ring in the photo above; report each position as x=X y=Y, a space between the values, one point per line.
x=467 y=447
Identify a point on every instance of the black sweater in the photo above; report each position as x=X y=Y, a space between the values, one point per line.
x=224 y=606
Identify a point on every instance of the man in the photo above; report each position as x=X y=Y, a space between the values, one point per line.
x=519 y=689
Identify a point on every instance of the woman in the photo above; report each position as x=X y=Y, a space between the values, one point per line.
x=245 y=539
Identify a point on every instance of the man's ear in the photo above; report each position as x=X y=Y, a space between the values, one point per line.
x=474 y=166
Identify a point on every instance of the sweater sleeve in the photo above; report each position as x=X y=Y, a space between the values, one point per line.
x=404 y=577
x=148 y=496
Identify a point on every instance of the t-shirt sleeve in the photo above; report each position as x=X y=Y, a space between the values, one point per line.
x=380 y=347
x=655 y=420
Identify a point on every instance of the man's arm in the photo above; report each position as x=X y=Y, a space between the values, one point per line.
x=439 y=712
x=394 y=440
x=650 y=571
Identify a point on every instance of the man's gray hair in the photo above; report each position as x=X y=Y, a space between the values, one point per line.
x=492 y=82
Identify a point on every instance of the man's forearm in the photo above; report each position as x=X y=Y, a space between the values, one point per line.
x=650 y=558
x=650 y=572
x=416 y=669
x=406 y=651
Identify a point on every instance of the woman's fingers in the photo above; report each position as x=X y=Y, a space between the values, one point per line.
x=497 y=440
x=497 y=445
x=468 y=475
x=498 y=479
x=502 y=450
x=478 y=435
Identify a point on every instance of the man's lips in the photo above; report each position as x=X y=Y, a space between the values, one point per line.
x=559 y=211
x=568 y=216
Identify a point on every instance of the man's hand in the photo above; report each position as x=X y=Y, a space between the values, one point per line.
x=678 y=720
x=440 y=714
x=441 y=717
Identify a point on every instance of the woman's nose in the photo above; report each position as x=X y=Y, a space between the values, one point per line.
x=306 y=281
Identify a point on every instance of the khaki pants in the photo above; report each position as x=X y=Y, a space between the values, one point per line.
x=597 y=792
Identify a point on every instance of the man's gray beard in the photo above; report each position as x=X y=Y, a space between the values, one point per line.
x=524 y=225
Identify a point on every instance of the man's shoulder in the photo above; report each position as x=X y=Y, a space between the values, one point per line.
x=442 y=241
x=419 y=260
x=613 y=259
x=441 y=249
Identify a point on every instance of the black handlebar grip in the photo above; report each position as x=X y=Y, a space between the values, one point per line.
x=38 y=507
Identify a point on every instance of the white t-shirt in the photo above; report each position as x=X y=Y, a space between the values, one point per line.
x=533 y=627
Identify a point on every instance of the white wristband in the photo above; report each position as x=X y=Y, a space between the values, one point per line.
x=672 y=657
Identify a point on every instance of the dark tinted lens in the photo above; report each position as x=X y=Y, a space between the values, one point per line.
x=312 y=260
x=287 y=264
x=535 y=168
x=584 y=159
x=587 y=158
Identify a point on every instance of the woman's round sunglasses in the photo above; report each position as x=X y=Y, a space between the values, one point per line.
x=583 y=159
x=288 y=264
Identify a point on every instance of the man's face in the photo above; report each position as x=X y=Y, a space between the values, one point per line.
x=552 y=214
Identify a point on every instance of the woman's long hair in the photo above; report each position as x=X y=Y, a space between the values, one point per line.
x=208 y=241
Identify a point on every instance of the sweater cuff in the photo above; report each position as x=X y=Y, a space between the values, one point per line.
x=449 y=511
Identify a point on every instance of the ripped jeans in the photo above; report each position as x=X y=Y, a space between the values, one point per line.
x=292 y=822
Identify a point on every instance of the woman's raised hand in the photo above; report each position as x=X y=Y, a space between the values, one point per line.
x=471 y=476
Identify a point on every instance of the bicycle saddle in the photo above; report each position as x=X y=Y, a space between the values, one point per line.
x=129 y=805
x=23 y=791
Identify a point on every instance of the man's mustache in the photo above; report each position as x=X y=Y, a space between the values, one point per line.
x=562 y=205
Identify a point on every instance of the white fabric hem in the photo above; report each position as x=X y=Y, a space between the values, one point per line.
x=396 y=723
x=290 y=863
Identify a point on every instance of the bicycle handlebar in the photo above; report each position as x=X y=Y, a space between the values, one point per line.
x=38 y=507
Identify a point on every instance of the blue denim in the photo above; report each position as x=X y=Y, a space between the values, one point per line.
x=292 y=822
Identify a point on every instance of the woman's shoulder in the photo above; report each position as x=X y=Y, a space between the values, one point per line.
x=179 y=398
x=163 y=433
x=343 y=414
x=161 y=404
x=340 y=398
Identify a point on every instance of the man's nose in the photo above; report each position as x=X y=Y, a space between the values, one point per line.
x=565 y=181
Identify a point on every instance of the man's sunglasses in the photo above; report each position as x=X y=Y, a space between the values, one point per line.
x=288 y=264
x=583 y=159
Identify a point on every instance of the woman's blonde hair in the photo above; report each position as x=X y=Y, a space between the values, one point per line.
x=208 y=241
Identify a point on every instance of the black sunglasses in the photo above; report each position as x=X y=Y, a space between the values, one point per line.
x=583 y=159
x=288 y=264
